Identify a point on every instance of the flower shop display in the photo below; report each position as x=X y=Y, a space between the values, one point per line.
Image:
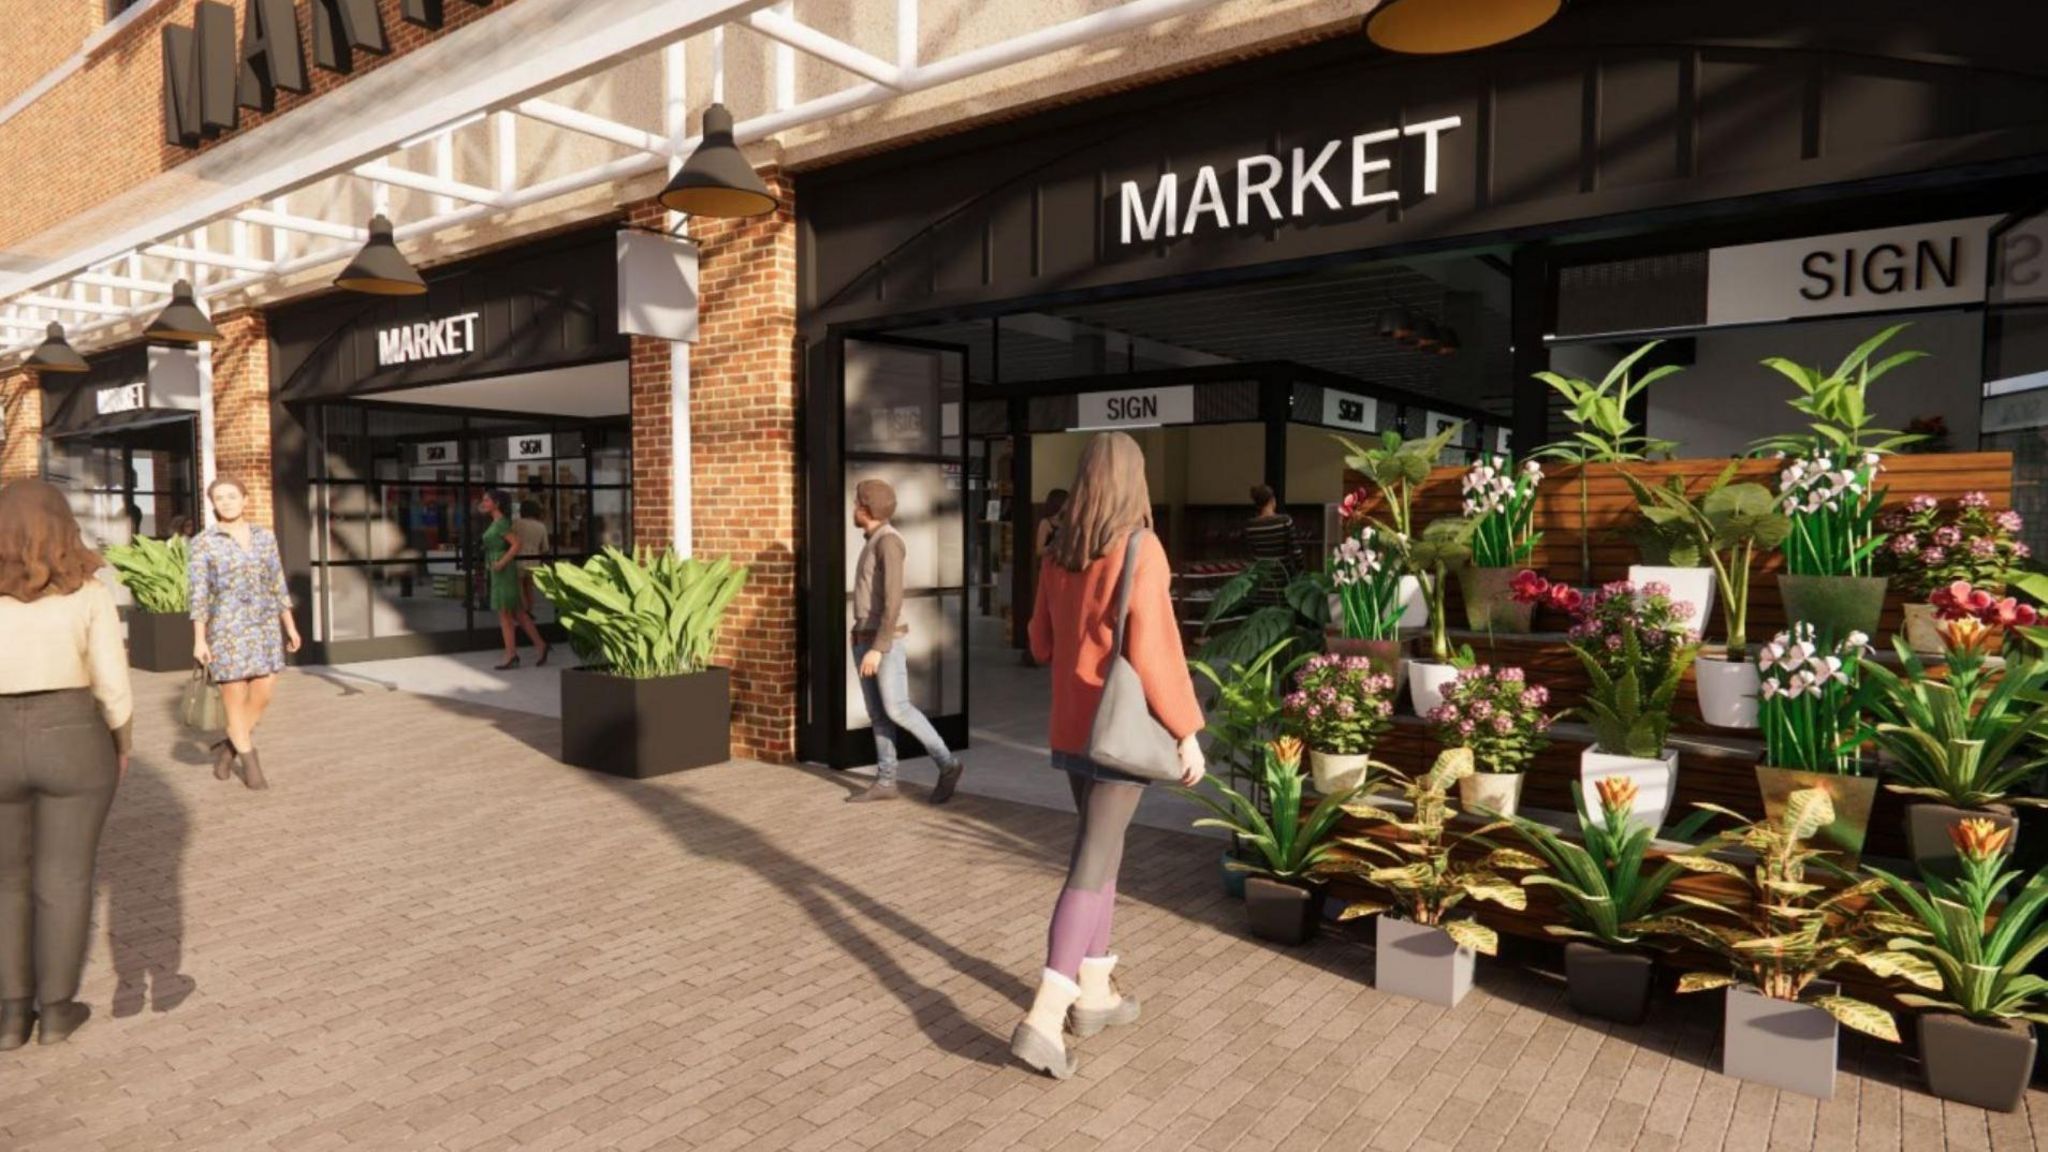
x=1977 y=1036
x=1422 y=950
x=1931 y=548
x=1962 y=746
x=1602 y=433
x=1780 y=1022
x=1340 y=706
x=1605 y=890
x=1635 y=647
x=1830 y=578
x=1730 y=522
x=1812 y=715
x=1500 y=504
x=1444 y=545
x=1366 y=572
x=1498 y=715
x=1288 y=850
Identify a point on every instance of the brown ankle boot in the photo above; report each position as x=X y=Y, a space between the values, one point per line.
x=17 y=1020
x=223 y=760
x=61 y=1019
x=252 y=771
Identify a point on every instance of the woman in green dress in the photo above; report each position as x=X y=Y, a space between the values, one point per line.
x=501 y=554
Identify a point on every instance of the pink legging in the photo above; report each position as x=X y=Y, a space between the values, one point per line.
x=1081 y=917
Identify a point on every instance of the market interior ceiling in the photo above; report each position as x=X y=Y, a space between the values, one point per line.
x=1328 y=320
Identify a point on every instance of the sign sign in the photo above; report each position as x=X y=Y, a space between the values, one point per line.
x=1923 y=266
x=1345 y=410
x=121 y=398
x=427 y=340
x=1136 y=408
x=443 y=453
x=540 y=446
x=1265 y=189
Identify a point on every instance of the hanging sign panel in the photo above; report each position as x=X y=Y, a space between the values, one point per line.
x=121 y=398
x=1348 y=410
x=538 y=446
x=437 y=452
x=1136 y=408
x=1923 y=266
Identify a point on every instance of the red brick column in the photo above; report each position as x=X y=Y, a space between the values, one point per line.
x=743 y=448
x=241 y=408
x=21 y=398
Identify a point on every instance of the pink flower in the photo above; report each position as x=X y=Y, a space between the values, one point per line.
x=1975 y=500
x=1466 y=728
x=1905 y=545
x=1511 y=675
x=1933 y=557
x=1922 y=503
x=1527 y=587
x=2009 y=521
x=1656 y=588
x=1983 y=549
x=1531 y=698
x=1948 y=536
x=1502 y=725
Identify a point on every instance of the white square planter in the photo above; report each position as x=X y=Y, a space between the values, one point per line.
x=1695 y=586
x=1656 y=783
x=1779 y=1042
x=1414 y=606
x=1420 y=962
x=1426 y=682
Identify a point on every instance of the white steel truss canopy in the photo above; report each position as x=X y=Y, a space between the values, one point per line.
x=470 y=128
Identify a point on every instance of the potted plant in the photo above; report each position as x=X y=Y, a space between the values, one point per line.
x=1962 y=746
x=1498 y=716
x=1604 y=890
x=1635 y=649
x=646 y=699
x=1444 y=545
x=1812 y=713
x=160 y=628
x=1673 y=555
x=1282 y=898
x=1245 y=714
x=1396 y=467
x=1421 y=950
x=1340 y=705
x=1602 y=433
x=1500 y=505
x=1779 y=1025
x=1730 y=522
x=1366 y=570
x=1930 y=549
x=1977 y=1038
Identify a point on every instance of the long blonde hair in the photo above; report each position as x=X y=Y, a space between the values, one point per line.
x=1109 y=497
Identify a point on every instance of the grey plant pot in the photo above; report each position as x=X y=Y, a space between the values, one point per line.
x=1420 y=962
x=1610 y=983
x=1281 y=913
x=1927 y=839
x=1834 y=605
x=159 y=641
x=1985 y=1064
x=1780 y=1043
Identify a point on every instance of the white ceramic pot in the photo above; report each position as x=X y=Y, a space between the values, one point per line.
x=1728 y=691
x=1426 y=681
x=1420 y=962
x=1656 y=783
x=1695 y=586
x=1334 y=772
x=1414 y=606
x=1495 y=791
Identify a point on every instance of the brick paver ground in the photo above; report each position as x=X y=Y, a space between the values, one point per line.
x=431 y=935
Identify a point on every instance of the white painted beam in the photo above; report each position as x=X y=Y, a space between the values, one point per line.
x=598 y=127
x=383 y=173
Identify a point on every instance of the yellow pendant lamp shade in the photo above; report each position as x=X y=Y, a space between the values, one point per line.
x=1440 y=27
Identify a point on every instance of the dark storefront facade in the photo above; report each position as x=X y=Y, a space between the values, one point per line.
x=392 y=417
x=122 y=440
x=1221 y=249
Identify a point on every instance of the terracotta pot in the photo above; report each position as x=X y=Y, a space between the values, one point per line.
x=1728 y=691
x=1426 y=682
x=1499 y=791
x=1780 y=1043
x=1420 y=962
x=1387 y=656
x=1489 y=604
x=1607 y=982
x=1927 y=839
x=1281 y=913
x=1852 y=797
x=1334 y=772
x=1694 y=586
x=1982 y=1063
x=1656 y=783
x=1834 y=605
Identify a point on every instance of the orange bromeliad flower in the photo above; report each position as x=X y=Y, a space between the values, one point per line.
x=1978 y=838
x=1287 y=750
x=1971 y=635
x=1617 y=793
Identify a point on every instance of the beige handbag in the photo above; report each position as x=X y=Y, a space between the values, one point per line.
x=201 y=709
x=1126 y=736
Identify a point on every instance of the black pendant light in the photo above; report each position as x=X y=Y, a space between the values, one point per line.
x=1426 y=334
x=1397 y=324
x=55 y=354
x=716 y=181
x=1438 y=27
x=380 y=269
x=182 y=319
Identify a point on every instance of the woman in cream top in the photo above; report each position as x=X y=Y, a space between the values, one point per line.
x=65 y=708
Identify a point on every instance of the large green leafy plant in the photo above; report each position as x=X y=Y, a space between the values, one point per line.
x=1729 y=522
x=1603 y=885
x=154 y=572
x=1397 y=467
x=1970 y=741
x=1446 y=544
x=1290 y=847
x=1836 y=405
x=1981 y=970
x=1602 y=433
x=645 y=615
x=1300 y=618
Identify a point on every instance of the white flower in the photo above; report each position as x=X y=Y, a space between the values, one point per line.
x=1856 y=642
x=1770 y=689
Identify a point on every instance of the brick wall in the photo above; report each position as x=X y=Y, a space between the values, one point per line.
x=21 y=398
x=744 y=454
x=241 y=408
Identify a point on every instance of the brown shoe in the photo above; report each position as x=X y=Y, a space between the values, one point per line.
x=252 y=771
x=949 y=779
x=875 y=792
x=223 y=760
x=60 y=1020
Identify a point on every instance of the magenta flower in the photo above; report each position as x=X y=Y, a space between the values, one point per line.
x=2009 y=521
x=1975 y=500
x=1933 y=556
x=1502 y=725
x=1948 y=536
x=1922 y=503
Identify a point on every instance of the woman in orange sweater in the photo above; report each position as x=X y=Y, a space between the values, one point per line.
x=1072 y=630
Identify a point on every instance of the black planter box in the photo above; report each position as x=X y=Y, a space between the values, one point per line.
x=1279 y=912
x=1985 y=1064
x=159 y=641
x=642 y=728
x=1610 y=983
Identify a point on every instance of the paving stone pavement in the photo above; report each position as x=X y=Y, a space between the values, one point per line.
x=431 y=935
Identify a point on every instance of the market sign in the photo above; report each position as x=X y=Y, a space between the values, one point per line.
x=1136 y=408
x=1935 y=265
x=427 y=340
x=121 y=398
x=207 y=81
x=1269 y=189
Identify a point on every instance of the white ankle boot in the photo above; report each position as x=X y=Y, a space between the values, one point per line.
x=1101 y=1004
x=1037 y=1041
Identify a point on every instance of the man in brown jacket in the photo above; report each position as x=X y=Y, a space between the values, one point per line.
x=877 y=626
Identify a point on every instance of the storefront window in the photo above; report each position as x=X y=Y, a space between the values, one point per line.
x=129 y=482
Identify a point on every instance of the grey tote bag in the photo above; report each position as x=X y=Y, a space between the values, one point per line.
x=1127 y=737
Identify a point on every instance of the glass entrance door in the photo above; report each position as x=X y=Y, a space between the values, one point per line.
x=141 y=480
x=2015 y=412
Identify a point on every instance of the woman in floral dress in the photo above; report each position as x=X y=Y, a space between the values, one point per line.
x=501 y=555
x=239 y=600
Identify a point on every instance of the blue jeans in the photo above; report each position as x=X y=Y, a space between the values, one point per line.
x=887 y=693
